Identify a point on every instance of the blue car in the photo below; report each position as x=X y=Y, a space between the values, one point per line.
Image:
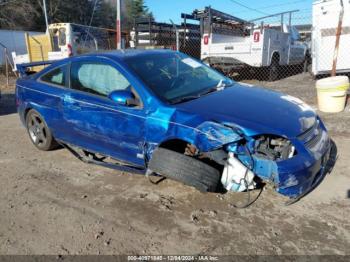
x=162 y=112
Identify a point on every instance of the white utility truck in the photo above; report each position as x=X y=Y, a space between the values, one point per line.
x=231 y=44
x=325 y=18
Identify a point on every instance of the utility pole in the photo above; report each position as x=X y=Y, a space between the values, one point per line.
x=337 y=39
x=118 y=26
x=45 y=13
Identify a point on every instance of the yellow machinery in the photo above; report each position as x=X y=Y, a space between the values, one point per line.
x=38 y=48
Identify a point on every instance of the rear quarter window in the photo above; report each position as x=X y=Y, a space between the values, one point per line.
x=56 y=76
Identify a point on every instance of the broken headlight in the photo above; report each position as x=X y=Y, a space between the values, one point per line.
x=274 y=148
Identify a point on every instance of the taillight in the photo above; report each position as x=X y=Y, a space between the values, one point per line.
x=206 y=39
x=70 y=50
x=256 y=36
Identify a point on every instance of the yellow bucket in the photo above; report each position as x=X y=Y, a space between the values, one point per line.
x=331 y=93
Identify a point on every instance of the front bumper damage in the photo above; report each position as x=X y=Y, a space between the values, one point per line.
x=293 y=177
x=303 y=180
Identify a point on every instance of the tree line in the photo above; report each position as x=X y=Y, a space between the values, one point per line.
x=28 y=15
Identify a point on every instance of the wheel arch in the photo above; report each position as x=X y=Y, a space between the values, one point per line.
x=171 y=143
x=275 y=56
x=38 y=130
x=26 y=111
x=23 y=114
x=29 y=108
x=175 y=144
x=41 y=111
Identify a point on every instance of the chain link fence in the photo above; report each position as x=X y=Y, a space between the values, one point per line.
x=266 y=49
x=82 y=38
x=149 y=34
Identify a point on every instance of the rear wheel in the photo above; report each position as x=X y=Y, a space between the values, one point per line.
x=38 y=131
x=307 y=64
x=274 y=69
x=185 y=169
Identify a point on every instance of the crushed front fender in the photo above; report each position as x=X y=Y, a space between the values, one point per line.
x=171 y=124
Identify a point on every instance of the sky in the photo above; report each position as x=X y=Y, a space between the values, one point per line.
x=164 y=10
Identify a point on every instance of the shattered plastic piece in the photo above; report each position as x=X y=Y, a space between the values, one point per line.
x=236 y=176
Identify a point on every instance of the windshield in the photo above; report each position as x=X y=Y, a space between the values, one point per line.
x=175 y=77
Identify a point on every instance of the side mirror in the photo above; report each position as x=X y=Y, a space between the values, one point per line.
x=124 y=98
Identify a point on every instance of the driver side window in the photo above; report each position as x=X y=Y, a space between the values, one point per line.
x=97 y=78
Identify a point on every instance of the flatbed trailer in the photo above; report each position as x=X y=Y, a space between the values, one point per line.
x=150 y=34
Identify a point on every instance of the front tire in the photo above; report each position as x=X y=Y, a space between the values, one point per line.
x=38 y=131
x=185 y=169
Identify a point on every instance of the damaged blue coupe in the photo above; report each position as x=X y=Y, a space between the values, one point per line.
x=162 y=112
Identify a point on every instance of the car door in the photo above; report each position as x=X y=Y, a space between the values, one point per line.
x=50 y=88
x=95 y=122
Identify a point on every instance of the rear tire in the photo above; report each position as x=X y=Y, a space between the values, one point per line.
x=38 y=131
x=307 y=64
x=274 y=69
x=185 y=169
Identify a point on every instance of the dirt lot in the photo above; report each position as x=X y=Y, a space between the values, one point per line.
x=50 y=203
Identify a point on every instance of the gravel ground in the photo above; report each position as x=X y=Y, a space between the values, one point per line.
x=51 y=203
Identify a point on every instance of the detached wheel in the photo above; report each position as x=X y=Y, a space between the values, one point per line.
x=38 y=131
x=274 y=70
x=185 y=169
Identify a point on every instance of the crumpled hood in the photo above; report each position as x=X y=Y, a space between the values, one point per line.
x=256 y=110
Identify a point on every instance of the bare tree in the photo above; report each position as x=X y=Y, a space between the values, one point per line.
x=18 y=14
x=29 y=14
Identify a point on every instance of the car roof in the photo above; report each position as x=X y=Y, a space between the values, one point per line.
x=117 y=55
x=123 y=54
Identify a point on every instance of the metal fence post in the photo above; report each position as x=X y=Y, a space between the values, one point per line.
x=177 y=40
x=176 y=36
x=185 y=31
x=6 y=67
x=337 y=40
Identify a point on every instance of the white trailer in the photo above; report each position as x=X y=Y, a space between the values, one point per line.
x=231 y=44
x=325 y=17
